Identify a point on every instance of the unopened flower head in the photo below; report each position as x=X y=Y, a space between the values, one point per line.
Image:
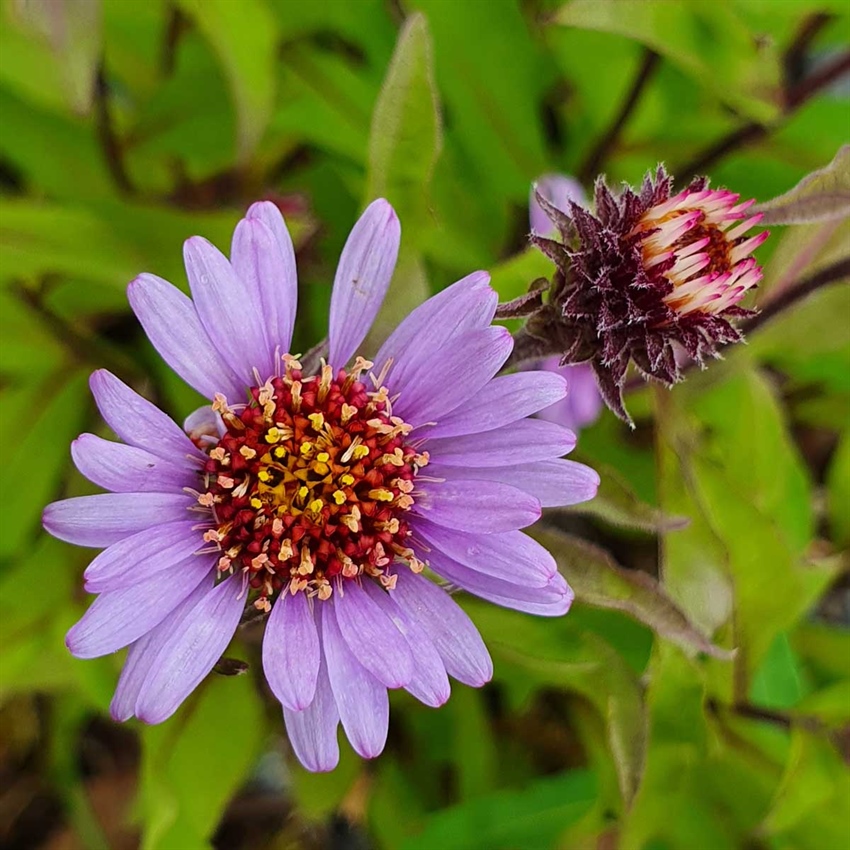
x=649 y=271
x=317 y=492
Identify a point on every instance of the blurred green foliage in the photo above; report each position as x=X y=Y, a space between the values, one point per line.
x=698 y=695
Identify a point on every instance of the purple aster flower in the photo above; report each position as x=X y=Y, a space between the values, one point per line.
x=318 y=496
x=650 y=271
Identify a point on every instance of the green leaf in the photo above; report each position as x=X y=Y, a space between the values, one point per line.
x=752 y=489
x=598 y=580
x=46 y=166
x=527 y=819
x=493 y=102
x=245 y=37
x=554 y=653
x=28 y=64
x=810 y=343
x=53 y=413
x=777 y=683
x=706 y=41
x=42 y=238
x=404 y=145
x=193 y=764
x=406 y=133
x=824 y=194
x=830 y=704
x=814 y=776
x=617 y=503
x=838 y=484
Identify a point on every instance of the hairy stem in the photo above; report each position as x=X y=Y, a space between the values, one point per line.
x=834 y=273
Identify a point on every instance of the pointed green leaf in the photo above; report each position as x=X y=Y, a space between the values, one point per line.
x=598 y=580
x=823 y=194
x=406 y=134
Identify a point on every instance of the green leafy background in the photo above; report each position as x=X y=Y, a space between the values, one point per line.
x=697 y=697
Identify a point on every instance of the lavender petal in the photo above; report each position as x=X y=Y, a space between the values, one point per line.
x=443 y=379
x=127 y=469
x=228 y=311
x=106 y=518
x=447 y=625
x=477 y=506
x=553 y=599
x=555 y=483
x=264 y=258
x=362 y=279
x=291 y=651
x=118 y=617
x=520 y=442
x=138 y=422
x=430 y=683
x=468 y=305
x=361 y=699
x=133 y=559
x=173 y=327
x=313 y=731
x=190 y=650
x=502 y=401
x=510 y=556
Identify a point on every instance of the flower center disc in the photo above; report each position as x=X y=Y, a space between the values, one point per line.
x=310 y=483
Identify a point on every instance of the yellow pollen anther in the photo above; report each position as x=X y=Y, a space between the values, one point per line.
x=339 y=496
x=263 y=475
x=302 y=492
x=317 y=420
x=256 y=503
x=316 y=505
x=280 y=451
x=347 y=412
x=259 y=562
x=306 y=448
x=219 y=403
x=226 y=482
x=273 y=435
x=306 y=565
x=325 y=590
x=389 y=582
x=360 y=451
x=347 y=479
x=285 y=550
x=380 y=494
x=206 y=499
x=247 y=452
x=323 y=457
x=404 y=502
x=361 y=364
x=218 y=453
x=291 y=361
